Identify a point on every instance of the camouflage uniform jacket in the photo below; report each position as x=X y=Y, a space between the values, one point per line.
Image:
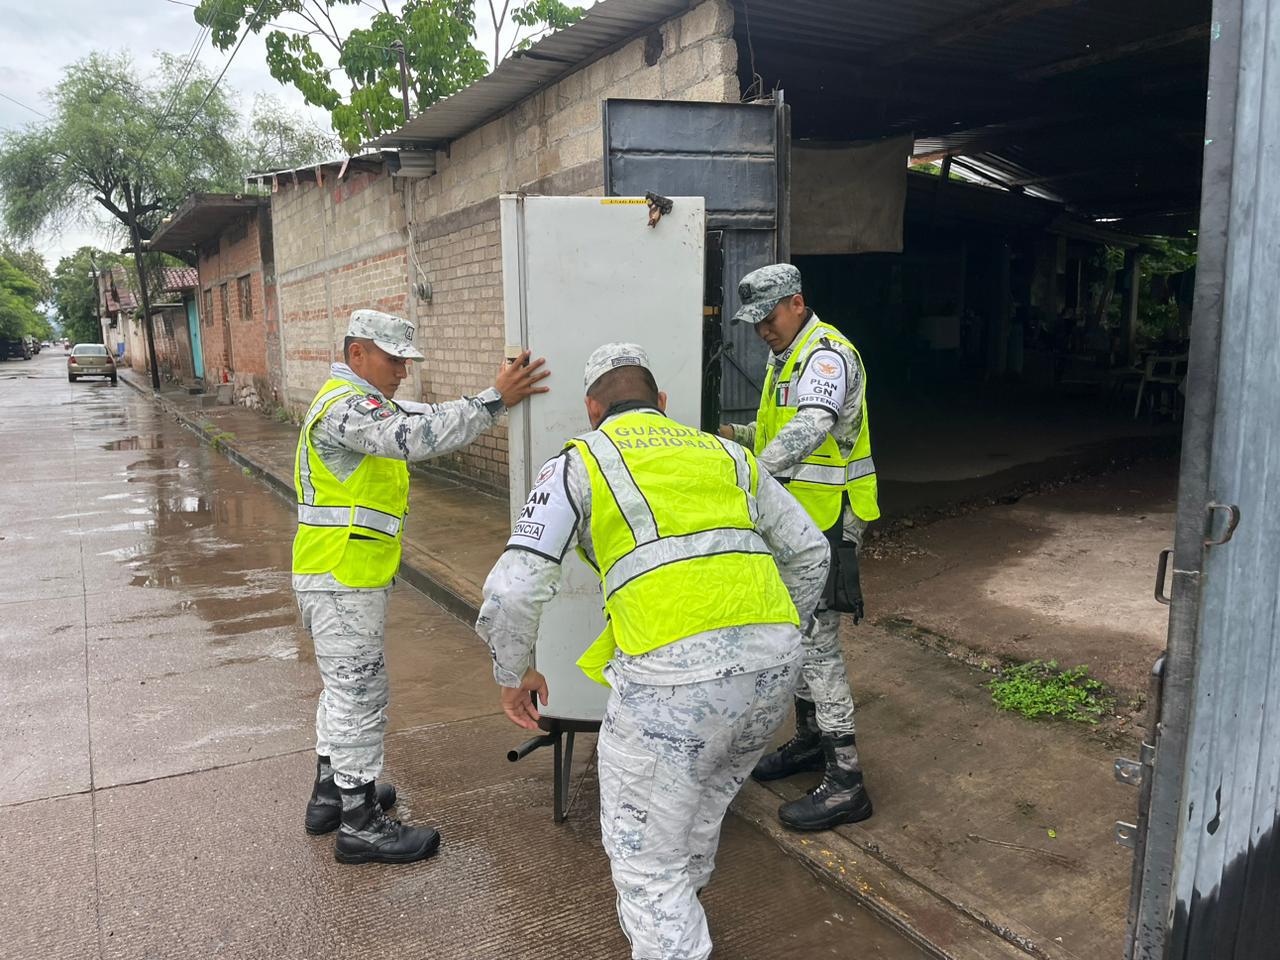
x=839 y=413
x=521 y=582
x=400 y=429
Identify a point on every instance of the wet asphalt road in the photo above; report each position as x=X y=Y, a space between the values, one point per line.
x=158 y=697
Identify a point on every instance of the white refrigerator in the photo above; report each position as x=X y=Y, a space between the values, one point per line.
x=579 y=272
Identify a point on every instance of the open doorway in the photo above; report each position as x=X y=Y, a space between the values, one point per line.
x=1022 y=308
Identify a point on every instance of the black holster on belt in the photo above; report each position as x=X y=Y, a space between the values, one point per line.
x=843 y=592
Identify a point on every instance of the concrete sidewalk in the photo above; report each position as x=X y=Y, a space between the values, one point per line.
x=992 y=833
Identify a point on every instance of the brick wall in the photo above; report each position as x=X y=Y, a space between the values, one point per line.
x=234 y=285
x=172 y=342
x=550 y=143
x=339 y=246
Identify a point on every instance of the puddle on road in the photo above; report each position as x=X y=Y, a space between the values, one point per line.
x=151 y=442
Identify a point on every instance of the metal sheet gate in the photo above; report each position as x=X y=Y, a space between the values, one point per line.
x=1208 y=880
x=736 y=155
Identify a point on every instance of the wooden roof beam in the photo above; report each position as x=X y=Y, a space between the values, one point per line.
x=1110 y=54
x=998 y=15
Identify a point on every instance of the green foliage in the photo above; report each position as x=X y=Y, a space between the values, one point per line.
x=276 y=139
x=302 y=39
x=19 y=295
x=134 y=146
x=1160 y=317
x=544 y=16
x=221 y=439
x=1041 y=689
x=436 y=35
x=30 y=262
x=74 y=297
x=933 y=170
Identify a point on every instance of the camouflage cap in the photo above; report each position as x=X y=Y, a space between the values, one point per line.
x=610 y=357
x=761 y=290
x=393 y=334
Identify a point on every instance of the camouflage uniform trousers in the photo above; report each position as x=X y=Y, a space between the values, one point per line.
x=671 y=760
x=347 y=629
x=824 y=680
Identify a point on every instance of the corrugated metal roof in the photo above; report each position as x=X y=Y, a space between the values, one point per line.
x=201 y=217
x=1019 y=85
x=605 y=25
x=360 y=161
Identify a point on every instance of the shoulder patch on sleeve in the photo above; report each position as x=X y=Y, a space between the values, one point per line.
x=823 y=382
x=548 y=519
x=371 y=407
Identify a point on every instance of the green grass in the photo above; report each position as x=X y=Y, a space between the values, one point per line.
x=220 y=440
x=1040 y=689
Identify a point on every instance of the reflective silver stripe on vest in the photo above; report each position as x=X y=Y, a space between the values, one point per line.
x=304 y=461
x=828 y=475
x=658 y=553
x=314 y=516
x=742 y=469
x=372 y=519
x=635 y=509
x=742 y=473
x=366 y=517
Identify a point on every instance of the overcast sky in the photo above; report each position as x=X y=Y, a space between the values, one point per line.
x=40 y=39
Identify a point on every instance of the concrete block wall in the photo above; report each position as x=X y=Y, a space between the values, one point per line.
x=339 y=246
x=550 y=143
x=462 y=329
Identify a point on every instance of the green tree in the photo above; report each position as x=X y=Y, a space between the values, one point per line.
x=1162 y=274
x=538 y=18
x=276 y=139
x=134 y=147
x=19 y=295
x=436 y=36
x=30 y=262
x=75 y=297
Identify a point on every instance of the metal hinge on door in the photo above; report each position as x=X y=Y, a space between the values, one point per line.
x=1137 y=773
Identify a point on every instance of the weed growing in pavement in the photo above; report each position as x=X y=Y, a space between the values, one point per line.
x=1041 y=689
x=219 y=440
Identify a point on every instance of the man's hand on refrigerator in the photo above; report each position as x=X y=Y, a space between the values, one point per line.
x=519 y=706
x=519 y=378
x=726 y=431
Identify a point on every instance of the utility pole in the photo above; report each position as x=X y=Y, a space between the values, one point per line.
x=97 y=292
x=130 y=208
x=404 y=77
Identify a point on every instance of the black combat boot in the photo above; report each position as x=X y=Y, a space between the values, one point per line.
x=324 y=809
x=368 y=835
x=802 y=752
x=840 y=798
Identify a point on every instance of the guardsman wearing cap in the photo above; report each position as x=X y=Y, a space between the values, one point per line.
x=707 y=568
x=812 y=433
x=352 y=481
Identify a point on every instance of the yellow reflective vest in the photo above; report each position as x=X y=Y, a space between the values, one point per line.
x=349 y=528
x=673 y=527
x=819 y=481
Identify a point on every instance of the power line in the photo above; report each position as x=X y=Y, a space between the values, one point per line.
x=266 y=23
x=24 y=106
x=192 y=55
x=247 y=26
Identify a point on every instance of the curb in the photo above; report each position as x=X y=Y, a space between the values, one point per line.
x=925 y=909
